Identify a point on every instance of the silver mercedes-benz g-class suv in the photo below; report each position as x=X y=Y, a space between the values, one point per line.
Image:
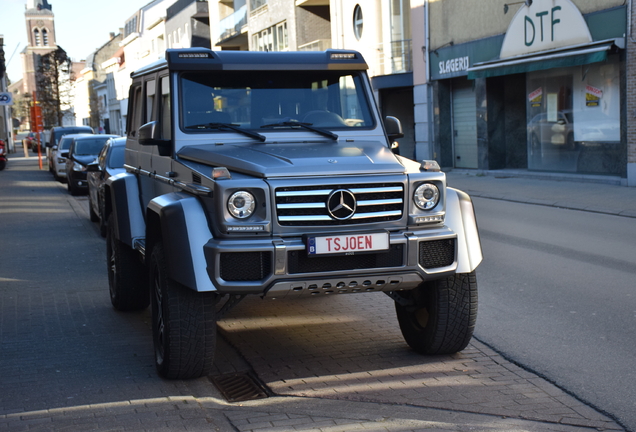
x=271 y=174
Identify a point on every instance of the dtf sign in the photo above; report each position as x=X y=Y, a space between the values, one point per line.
x=545 y=25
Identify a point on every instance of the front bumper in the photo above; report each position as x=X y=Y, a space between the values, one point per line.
x=79 y=179
x=282 y=267
x=60 y=170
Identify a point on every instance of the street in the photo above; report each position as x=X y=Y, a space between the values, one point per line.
x=68 y=360
x=557 y=295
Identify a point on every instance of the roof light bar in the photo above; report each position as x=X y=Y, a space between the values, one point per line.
x=194 y=55
x=343 y=56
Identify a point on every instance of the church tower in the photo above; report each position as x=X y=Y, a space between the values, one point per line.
x=40 y=26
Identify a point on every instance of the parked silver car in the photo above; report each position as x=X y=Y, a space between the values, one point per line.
x=58 y=155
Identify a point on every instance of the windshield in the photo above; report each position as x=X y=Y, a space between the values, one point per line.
x=273 y=99
x=87 y=147
x=65 y=143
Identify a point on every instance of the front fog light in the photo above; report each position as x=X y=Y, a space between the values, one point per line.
x=426 y=196
x=241 y=204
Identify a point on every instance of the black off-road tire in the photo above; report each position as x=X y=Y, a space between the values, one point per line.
x=442 y=318
x=127 y=276
x=183 y=324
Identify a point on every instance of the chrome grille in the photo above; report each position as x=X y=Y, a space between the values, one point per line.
x=307 y=205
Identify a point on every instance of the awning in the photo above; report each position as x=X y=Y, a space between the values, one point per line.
x=585 y=54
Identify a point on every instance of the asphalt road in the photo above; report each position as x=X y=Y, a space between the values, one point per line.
x=557 y=295
x=68 y=361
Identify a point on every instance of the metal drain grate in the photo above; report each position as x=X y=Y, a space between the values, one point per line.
x=239 y=387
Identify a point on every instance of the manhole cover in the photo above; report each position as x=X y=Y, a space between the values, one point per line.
x=239 y=387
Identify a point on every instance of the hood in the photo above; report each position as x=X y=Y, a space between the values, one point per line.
x=84 y=159
x=293 y=159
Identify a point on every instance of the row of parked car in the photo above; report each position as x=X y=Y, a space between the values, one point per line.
x=84 y=161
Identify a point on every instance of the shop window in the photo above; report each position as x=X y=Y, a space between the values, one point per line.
x=573 y=119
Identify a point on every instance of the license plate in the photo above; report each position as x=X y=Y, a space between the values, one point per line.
x=347 y=244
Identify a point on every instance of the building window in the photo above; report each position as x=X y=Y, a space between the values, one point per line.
x=36 y=34
x=45 y=37
x=255 y=4
x=357 y=22
x=131 y=26
x=271 y=39
x=281 y=37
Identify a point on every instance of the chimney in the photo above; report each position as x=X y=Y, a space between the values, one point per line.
x=112 y=35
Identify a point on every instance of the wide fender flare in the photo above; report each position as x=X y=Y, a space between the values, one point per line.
x=122 y=199
x=183 y=226
x=460 y=217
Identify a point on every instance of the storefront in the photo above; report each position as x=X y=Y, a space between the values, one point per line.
x=545 y=96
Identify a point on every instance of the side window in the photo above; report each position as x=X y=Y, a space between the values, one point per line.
x=135 y=111
x=166 y=126
x=150 y=100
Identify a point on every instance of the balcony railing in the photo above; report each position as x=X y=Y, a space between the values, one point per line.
x=231 y=25
x=396 y=56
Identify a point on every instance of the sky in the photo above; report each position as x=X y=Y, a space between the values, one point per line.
x=81 y=26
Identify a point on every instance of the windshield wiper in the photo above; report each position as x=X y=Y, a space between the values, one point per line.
x=230 y=126
x=308 y=126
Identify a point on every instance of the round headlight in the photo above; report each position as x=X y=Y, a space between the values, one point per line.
x=426 y=196
x=241 y=204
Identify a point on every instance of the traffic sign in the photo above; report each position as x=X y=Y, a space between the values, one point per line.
x=6 y=98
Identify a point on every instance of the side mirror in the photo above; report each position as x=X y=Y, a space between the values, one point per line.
x=54 y=148
x=393 y=128
x=93 y=167
x=64 y=154
x=150 y=134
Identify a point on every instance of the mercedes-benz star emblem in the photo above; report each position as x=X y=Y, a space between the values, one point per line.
x=341 y=204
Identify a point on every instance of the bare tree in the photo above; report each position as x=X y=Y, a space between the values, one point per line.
x=53 y=83
x=94 y=105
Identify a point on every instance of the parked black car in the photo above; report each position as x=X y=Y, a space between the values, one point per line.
x=84 y=150
x=110 y=162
